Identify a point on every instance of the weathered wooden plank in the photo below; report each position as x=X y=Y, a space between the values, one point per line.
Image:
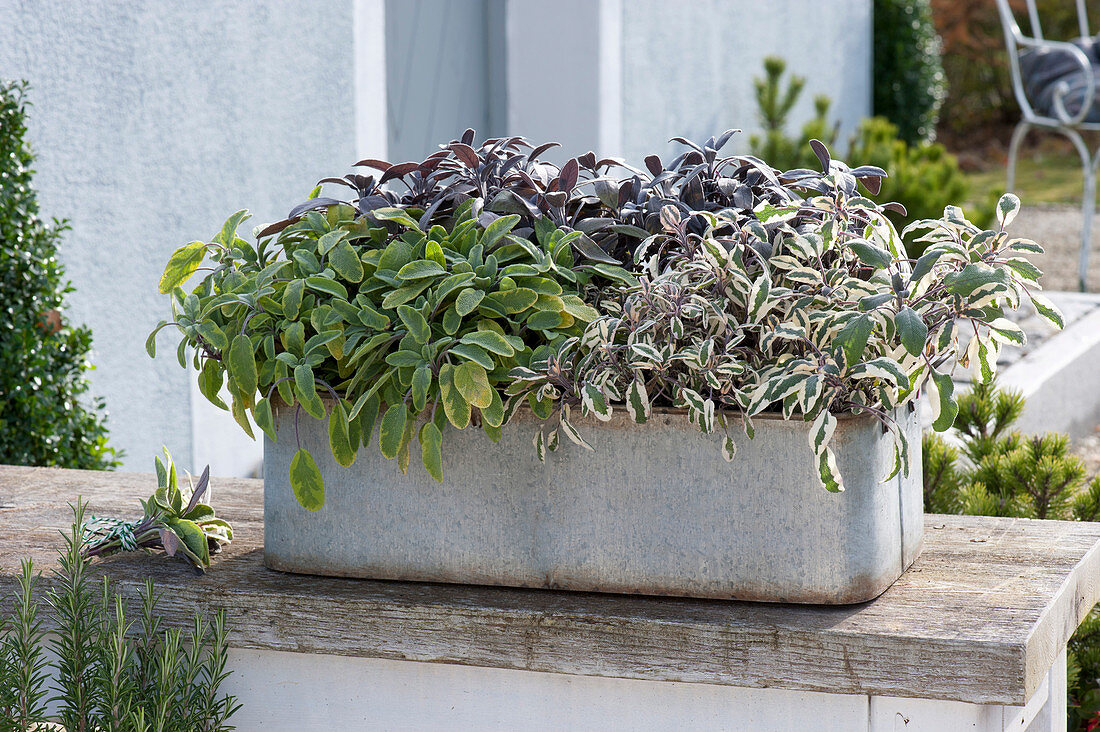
x=979 y=618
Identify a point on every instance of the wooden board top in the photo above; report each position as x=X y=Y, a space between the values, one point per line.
x=980 y=616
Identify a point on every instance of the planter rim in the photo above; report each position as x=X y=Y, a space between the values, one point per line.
x=620 y=409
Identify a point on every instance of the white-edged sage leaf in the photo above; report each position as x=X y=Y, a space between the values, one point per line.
x=944 y=404
x=1007 y=208
x=571 y=432
x=911 y=329
x=821 y=431
x=828 y=472
x=637 y=401
x=729 y=449
x=595 y=402
x=1047 y=309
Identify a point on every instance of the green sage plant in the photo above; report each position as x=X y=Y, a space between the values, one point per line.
x=109 y=673
x=822 y=318
x=400 y=326
x=172 y=522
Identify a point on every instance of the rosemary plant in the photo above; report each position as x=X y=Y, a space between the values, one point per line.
x=111 y=673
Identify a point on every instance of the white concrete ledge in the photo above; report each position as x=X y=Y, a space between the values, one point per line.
x=1061 y=381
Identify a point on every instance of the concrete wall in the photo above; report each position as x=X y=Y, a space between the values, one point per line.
x=688 y=68
x=622 y=77
x=440 y=62
x=557 y=87
x=153 y=121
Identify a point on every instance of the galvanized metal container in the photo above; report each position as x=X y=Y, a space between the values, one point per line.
x=655 y=510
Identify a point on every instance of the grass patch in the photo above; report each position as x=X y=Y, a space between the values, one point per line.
x=1042 y=176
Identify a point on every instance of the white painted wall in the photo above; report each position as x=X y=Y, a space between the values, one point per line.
x=152 y=122
x=564 y=74
x=438 y=69
x=688 y=67
x=622 y=77
x=291 y=692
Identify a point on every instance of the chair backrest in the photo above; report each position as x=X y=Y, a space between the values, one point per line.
x=1014 y=39
x=1008 y=20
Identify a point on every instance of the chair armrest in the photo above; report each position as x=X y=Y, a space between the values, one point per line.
x=1062 y=88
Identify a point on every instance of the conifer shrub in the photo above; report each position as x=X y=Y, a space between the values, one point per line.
x=46 y=416
x=909 y=84
x=993 y=470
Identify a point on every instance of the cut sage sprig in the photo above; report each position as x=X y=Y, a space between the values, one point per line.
x=190 y=529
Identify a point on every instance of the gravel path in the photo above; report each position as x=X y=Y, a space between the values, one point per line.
x=1058 y=230
x=1089 y=450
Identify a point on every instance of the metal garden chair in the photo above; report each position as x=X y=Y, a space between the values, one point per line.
x=1064 y=106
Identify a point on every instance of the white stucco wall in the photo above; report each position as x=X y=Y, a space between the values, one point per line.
x=623 y=76
x=688 y=67
x=152 y=122
x=557 y=89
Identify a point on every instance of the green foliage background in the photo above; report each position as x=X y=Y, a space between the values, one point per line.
x=909 y=84
x=922 y=176
x=45 y=416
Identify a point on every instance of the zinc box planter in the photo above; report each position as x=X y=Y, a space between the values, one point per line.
x=655 y=510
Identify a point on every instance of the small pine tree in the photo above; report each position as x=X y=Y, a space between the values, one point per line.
x=774 y=104
x=1005 y=473
x=44 y=415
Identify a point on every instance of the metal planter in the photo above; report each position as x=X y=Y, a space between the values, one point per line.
x=655 y=510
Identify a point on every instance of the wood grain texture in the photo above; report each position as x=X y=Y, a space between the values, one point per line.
x=979 y=617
